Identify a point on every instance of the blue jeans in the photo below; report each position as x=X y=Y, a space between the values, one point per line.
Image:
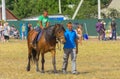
x=113 y=34
x=38 y=29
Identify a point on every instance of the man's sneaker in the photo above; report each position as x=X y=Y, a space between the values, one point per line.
x=64 y=71
x=75 y=72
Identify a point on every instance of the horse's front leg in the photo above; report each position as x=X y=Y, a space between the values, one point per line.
x=42 y=61
x=53 y=52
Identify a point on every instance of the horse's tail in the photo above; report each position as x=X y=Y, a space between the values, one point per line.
x=34 y=53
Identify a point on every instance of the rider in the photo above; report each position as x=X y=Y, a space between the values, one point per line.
x=43 y=22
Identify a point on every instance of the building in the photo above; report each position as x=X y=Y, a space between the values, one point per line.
x=51 y=17
x=9 y=15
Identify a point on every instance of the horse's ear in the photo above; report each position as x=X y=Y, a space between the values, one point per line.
x=56 y=26
x=62 y=25
x=63 y=28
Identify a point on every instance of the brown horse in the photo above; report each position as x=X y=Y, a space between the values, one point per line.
x=47 y=43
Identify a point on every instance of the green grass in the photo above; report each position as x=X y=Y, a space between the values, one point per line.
x=95 y=60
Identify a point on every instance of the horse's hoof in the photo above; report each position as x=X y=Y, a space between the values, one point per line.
x=37 y=70
x=42 y=72
x=28 y=69
x=55 y=72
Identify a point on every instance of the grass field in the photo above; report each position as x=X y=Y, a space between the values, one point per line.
x=95 y=60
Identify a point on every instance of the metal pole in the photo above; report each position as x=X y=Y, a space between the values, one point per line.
x=75 y=13
x=60 y=7
x=99 y=10
x=3 y=10
x=86 y=29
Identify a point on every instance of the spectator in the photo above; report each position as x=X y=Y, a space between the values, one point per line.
x=23 y=32
x=113 y=29
x=6 y=31
x=1 y=32
x=0 y=29
x=79 y=33
x=16 y=34
x=98 y=26
x=12 y=30
x=29 y=27
x=101 y=30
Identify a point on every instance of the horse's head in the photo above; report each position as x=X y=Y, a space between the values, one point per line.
x=59 y=32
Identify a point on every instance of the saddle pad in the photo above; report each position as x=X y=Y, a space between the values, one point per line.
x=39 y=35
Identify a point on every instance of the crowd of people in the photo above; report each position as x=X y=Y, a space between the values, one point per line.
x=103 y=34
x=106 y=34
x=6 y=32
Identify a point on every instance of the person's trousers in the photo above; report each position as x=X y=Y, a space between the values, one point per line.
x=114 y=34
x=73 y=54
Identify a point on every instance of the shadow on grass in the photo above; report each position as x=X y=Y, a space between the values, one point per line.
x=68 y=72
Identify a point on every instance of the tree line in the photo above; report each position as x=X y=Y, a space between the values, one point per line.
x=27 y=8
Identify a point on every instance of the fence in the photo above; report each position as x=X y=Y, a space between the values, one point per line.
x=88 y=24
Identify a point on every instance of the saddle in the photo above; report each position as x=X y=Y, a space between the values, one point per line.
x=39 y=35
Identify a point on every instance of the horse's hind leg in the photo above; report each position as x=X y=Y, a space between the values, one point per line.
x=42 y=61
x=37 y=59
x=29 y=58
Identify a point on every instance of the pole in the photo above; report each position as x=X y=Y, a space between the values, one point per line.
x=86 y=29
x=3 y=10
x=99 y=10
x=75 y=13
x=60 y=7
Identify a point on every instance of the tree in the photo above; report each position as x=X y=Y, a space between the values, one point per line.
x=27 y=8
x=113 y=13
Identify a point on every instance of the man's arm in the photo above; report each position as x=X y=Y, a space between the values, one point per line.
x=76 y=42
x=47 y=24
x=41 y=25
x=40 y=21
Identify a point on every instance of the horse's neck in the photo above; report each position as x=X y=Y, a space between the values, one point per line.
x=49 y=35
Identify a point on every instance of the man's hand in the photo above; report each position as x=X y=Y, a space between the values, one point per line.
x=41 y=27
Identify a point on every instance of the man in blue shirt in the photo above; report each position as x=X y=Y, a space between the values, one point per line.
x=70 y=47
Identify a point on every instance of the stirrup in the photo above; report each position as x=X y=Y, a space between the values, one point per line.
x=33 y=45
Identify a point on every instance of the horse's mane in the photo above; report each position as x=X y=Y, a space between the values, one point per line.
x=49 y=32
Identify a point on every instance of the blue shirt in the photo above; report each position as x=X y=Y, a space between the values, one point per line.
x=70 y=37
